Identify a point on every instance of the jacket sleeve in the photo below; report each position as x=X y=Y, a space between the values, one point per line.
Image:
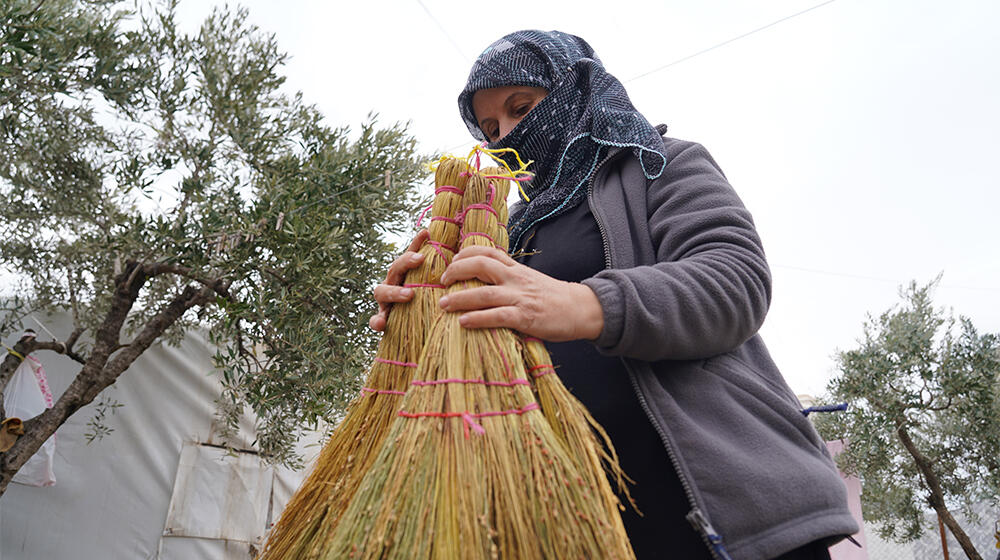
x=710 y=287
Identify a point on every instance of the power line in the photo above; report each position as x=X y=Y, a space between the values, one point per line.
x=874 y=278
x=684 y=58
x=447 y=35
x=726 y=42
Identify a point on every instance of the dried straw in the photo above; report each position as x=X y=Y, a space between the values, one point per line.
x=304 y=529
x=471 y=467
x=584 y=438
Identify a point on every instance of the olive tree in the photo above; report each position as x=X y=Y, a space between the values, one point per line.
x=154 y=181
x=924 y=418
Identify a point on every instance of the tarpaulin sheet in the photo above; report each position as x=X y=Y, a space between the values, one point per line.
x=113 y=496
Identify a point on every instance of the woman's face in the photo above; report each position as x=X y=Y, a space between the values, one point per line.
x=498 y=110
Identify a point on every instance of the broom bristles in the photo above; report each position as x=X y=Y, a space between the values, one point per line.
x=314 y=510
x=471 y=467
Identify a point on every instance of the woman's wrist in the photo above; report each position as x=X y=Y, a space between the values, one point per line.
x=587 y=317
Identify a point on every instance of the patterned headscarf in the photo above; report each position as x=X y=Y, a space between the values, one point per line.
x=585 y=113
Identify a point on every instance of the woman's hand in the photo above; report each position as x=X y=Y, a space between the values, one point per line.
x=520 y=298
x=391 y=291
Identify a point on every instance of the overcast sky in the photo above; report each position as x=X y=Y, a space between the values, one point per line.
x=862 y=135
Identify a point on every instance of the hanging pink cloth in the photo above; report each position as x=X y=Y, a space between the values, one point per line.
x=27 y=395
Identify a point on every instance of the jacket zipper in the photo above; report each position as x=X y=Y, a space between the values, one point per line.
x=695 y=517
x=590 y=202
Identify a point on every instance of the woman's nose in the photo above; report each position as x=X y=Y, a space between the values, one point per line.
x=506 y=125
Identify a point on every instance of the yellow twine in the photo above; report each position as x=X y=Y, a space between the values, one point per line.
x=14 y=352
x=433 y=165
x=492 y=153
x=522 y=170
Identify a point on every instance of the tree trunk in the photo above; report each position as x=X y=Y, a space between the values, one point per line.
x=101 y=369
x=937 y=495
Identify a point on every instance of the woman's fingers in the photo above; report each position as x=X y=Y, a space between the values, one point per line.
x=403 y=264
x=386 y=293
x=390 y=291
x=418 y=241
x=409 y=260
x=483 y=267
x=507 y=316
x=477 y=298
x=377 y=321
x=481 y=251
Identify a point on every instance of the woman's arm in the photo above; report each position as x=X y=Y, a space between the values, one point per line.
x=710 y=287
x=707 y=293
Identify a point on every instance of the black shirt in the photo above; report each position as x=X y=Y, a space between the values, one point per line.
x=569 y=247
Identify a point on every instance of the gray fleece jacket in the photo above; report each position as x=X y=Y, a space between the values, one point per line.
x=686 y=288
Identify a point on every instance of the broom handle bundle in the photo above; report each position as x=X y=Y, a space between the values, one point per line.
x=450 y=179
x=363 y=493
x=317 y=506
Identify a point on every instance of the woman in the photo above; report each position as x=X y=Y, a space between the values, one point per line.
x=641 y=268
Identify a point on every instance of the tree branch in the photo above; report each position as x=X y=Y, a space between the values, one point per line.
x=127 y=286
x=936 y=498
x=60 y=348
x=91 y=381
x=217 y=284
x=159 y=323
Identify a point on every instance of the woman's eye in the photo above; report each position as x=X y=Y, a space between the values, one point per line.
x=522 y=110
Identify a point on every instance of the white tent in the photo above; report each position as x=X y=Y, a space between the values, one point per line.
x=159 y=486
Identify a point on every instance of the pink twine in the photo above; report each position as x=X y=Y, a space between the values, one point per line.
x=381 y=391
x=439 y=244
x=531 y=339
x=468 y=419
x=395 y=363
x=424 y=213
x=437 y=247
x=465 y=236
x=456 y=221
x=473 y=381
x=550 y=367
x=478 y=206
x=440 y=253
x=478 y=154
x=424 y=285
x=448 y=188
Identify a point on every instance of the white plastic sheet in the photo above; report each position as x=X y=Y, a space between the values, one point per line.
x=26 y=396
x=218 y=495
x=113 y=496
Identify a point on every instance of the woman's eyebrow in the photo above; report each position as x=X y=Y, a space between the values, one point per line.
x=512 y=98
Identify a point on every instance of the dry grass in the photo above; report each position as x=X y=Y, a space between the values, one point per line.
x=472 y=467
x=304 y=529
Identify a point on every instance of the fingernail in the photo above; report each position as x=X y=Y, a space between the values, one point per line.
x=417 y=257
x=406 y=292
x=463 y=320
x=443 y=302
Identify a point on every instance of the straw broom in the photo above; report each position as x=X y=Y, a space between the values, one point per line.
x=584 y=438
x=472 y=468
x=314 y=510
